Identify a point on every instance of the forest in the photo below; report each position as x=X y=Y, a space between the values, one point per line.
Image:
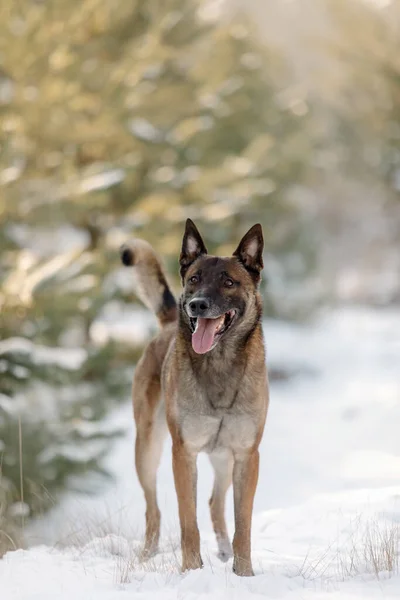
x=122 y=119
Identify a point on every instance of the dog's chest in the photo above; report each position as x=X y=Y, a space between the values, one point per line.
x=208 y=431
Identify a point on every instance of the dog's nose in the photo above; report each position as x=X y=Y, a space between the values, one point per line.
x=199 y=306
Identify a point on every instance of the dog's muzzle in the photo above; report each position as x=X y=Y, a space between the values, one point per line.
x=199 y=307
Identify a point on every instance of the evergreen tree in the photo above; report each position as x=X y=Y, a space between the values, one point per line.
x=120 y=118
x=366 y=48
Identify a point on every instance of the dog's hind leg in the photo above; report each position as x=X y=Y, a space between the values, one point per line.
x=148 y=450
x=223 y=465
x=151 y=430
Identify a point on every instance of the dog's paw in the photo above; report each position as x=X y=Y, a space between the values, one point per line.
x=225 y=551
x=242 y=568
x=224 y=556
x=148 y=553
x=191 y=563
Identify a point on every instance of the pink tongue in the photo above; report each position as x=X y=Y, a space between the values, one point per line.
x=203 y=337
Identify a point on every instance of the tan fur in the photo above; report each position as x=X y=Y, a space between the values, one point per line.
x=215 y=402
x=149 y=278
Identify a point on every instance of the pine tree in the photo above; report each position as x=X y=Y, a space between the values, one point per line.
x=366 y=48
x=120 y=118
x=149 y=110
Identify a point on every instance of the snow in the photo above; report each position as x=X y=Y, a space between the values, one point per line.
x=40 y=241
x=91 y=450
x=327 y=504
x=101 y=181
x=144 y=130
x=26 y=280
x=65 y=358
x=11 y=173
x=288 y=546
x=124 y=324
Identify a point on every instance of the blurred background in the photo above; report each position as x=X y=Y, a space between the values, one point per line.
x=121 y=119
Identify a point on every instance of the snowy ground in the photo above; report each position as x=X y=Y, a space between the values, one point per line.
x=327 y=508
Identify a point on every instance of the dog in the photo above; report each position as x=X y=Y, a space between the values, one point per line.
x=204 y=378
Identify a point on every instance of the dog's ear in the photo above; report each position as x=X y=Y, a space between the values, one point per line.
x=250 y=251
x=192 y=247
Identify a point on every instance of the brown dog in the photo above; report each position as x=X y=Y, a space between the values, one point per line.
x=205 y=376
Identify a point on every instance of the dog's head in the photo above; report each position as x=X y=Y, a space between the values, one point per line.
x=220 y=294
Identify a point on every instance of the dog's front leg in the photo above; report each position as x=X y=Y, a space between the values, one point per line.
x=245 y=477
x=185 y=475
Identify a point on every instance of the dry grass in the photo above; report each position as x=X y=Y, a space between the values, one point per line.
x=10 y=537
x=166 y=562
x=375 y=553
x=91 y=528
x=372 y=547
x=111 y=535
x=10 y=534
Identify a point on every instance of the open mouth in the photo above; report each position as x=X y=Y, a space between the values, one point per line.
x=207 y=332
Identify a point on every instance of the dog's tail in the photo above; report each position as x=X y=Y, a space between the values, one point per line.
x=152 y=287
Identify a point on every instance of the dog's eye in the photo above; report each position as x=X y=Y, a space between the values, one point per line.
x=194 y=279
x=228 y=282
